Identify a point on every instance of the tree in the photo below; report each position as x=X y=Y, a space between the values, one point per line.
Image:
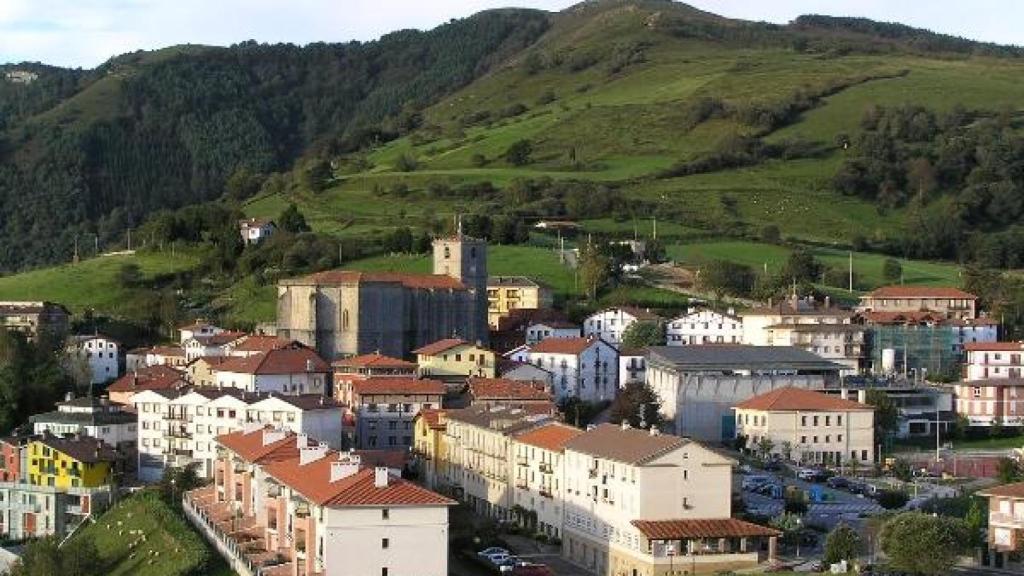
x=901 y=470
x=243 y=184
x=643 y=333
x=842 y=543
x=291 y=220
x=975 y=519
x=887 y=415
x=892 y=499
x=771 y=234
x=317 y=175
x=594 y=269
x=129 y=275
x=42 y=557
x=892 y=270
x=801 y=266
x=406 y=163
x=923 y=544
x=787 y=450
x=519 y=153
x=1008 y=470
x=764 y=446
x=724 y=277
x=636 y=398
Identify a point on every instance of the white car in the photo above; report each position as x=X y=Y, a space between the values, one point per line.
x=499 y=558
x=493 y=550
x=752 y=482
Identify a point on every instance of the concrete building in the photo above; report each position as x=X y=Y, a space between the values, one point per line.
x=13 y=457
x=93 y=418
x=524 y=372
x=159 y=377
x=177 y=428
x=587 y=368
x=994 y=360
x=922 y=407
x=539 y=477
x=344 y=313
x=385 y=407
x=610 y=324
x=256 y=230
x=915 y=344
x=295 y=370
x=699 y=385
x=507 y=293
x=430 y=448
x=454 y=359
x=822 y=329
x=32 y=511
x=1005 y=524
x=704 y=327
x=950 y=302
x=808 y=427
x=283 y=504
x=542 y=330
x=39 y=321
x=632 y=366
x=640 y=502
x=196 y=329
x=985 y=402
x=100 y=353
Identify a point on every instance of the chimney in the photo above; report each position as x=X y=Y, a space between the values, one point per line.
x=301 y=440
x=271 y=436
x=655 y=431
x=844 y=393
x=380 y=477
x=625 y=424
x=312 y=454
x=346 y=465
x=828 y=302
x=862 y=396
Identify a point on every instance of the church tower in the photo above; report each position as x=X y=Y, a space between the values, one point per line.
x=465 y=259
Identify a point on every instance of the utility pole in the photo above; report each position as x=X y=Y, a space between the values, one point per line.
x=129 y=239
x=655 y=225
x=938 y=444
x=851 y=271
x=74 y=259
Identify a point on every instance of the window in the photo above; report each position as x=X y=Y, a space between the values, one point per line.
x=815 y=420
x=839 y=420
x=803 y=420
x=384 y=571
x=385 y=543
x=828 y=420
x=385 y=514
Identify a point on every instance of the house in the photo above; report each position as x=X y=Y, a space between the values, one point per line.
x=385 y=407
x=157 y=377
x=704 y=327
x=514 y=328
x=256 y=230
x=583 y=367
x=430 y=447
x=822 y=329
x=538 y=480
x=632 y=366
x=202 y=371
x=197 y=328
x=40 y=321
x=173 y=356
x=101 y=355
x=70 y=462
x=14 y=458
x=947 y=301
x=990 y=401
x=254 y=344
x=455 y=359
x=531 y=396
x=1005 y=523
x=699 y=385
x=993 y=360
x=178 y=427
x=808 y=427
x=524 y=372
x=916 y=344
x=610 y=324
x=641 y=502
x=542 y=330
x=286 y=370
x=507 y=293
x=307 y=509
x=346 y=313
x=349 y=370
x=218 y=344
x=91 y=418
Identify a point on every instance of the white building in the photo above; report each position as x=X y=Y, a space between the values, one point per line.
x=198 y=328
x=994 y=360
x=101 y=353
x=293 y=370
x=256 y=230
x=541 y=330
x=704 y=327
x=93 y=417
x=173 y=356
x=218 y=344
x=632 y=366
x=177 y=428
x=610 y=324
x=584 y=367
x=539 y=475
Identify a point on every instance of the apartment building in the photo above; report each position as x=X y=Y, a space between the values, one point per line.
x=157 y=378
x=808 y=426
x=99 y=353
x=641 y=502
x=994 y=360
x=925 y=342
x=698 y=327
x=632 y=366
x=33 y=511
x=70 y=462
x=950 y=302
x=40 y=321
x=610 y=324
x=385 y=407
x=1005 y=524
x=537 y=495
x=13 y=457
x=455 y=359
x=292 y=370
x=508 y=293
x=542 y=330
x=349 y=370
x=91 y=417
x=986 y=402
x=584 y=367
x=430 y=447
x=178 y=427
x=526 y=395
x=286 y=504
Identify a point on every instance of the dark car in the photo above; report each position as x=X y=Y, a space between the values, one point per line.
x=838 y=482
x=773 y=466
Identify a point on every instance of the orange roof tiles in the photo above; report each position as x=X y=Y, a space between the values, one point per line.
x=920 y=292
x=397 y=385
x=550 y=437
x=157 y=377
x=503 y=389
x=994 y=346
x=790 y=398
x=416 y=281
x=261 y=343
x=1015 y=490
x=375 y=360
x=167 y=351
x=250 y=446
x=433 y=418
x=701 y=528
x=439 y=346
x=280 y=361
x=574 y=346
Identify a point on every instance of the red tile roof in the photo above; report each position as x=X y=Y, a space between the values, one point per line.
x=790 y=398
x=915 y=317
x=157 y=377
x=219 y=339
x=703 y=528
x=1015 y=490
x=280 y=361
x=375 y=360
x=416 y=281
x=387 y=458
x=433 y=418
x=574 y=346
x=920 y=292
x=503 y=389
x=435 y=348
x=167 y=351
x=397 y=385
x=994 y=346
x=552 y=436
x=251 y=447
x=261 y=343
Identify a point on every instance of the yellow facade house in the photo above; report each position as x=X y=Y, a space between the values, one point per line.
x=67 y=462
x=508 y=293
x=430 y=446
x=454 y=358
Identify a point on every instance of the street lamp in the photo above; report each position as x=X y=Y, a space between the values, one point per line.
x=799 y=523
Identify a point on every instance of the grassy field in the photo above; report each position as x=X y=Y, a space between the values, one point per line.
x=91 y=283
x=182 y=551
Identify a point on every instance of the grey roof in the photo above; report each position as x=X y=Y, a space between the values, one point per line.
x=631 y=446
x=85 y=419
x=504 y=419
x=515 y=281
x=738 y=357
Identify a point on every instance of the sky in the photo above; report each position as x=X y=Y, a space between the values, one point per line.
x=85 y=33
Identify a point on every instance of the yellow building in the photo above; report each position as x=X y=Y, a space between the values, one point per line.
x=70 y=462
x=453 y=358
x=507 y=293
x=431 y=448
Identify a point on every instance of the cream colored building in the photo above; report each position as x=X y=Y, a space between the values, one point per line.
x=808 y=426
x=538 y=480
x=507 y=293
x=951 y=302
x=454 y=358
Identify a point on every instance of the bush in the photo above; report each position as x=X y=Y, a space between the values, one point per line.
x=892 y=499
x=519 y=153
x=541 y=537
x=406 y=163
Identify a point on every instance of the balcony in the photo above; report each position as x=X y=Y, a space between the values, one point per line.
x=545 y=491
x=1004 y=519
x=545 y=467
x=522 y=483
x=522 y=461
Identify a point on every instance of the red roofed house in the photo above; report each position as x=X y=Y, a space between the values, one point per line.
x=1005 y=523
x=807 y=426
x=157 y=377
x=287 y=504
x=385 y=407
x=218 y=344
x=994 y=360
x=950 y=302
x=345 y=313
x=296 y=370
x=349 y=370
x=173 y=356
x=256 y=230
x=583 y=367
x=258 y=344
x=491 y=391
x=456 y=359
x=538 y=475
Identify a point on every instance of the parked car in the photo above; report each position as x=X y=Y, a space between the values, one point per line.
x=499 y=558
x=488 y=552
x=752 y=482
x=773 y=466
x=813 y=475
x=838 y=482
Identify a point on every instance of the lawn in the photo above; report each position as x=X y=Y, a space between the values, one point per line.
x=928 y=444
x=182 y=552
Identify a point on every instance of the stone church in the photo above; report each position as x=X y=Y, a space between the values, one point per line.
x=343 y=313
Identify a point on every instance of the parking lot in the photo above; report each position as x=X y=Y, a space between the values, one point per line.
x=837 y=505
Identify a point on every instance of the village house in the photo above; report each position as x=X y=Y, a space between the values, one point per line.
x=99 y=353
x=203 y=370
x=453 y=359
x=587 y=368
x=524 y=371
x=542 y=330
x=507 y=293
x=296 y=370
x=538 y=492
x=632 y=366
x=1005 y=524
x=531 y=396
x=13 y=457
x=254 y=344
x=349 y=370
x=704 y=327
x=39 y=321
x=282 y=503
x=157 y=377
x=256 y=230
x=385 y=407
x=218 y=344
x=950 y=302
x=610 y=324
x=529 y=325
x=990 y=401
x=93 y=418
x=173 y=356
x=430 y=446
x=993 y=360
x=808 y=427
x=197 y=329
